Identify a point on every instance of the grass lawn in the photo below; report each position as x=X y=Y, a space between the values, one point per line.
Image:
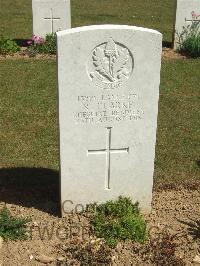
x=29 y=122
x=28 y=113
x=16 y=16
x=178 y=136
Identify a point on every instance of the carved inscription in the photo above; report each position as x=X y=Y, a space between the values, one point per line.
x=52 y=19
x=108 y=151
x=108 y=108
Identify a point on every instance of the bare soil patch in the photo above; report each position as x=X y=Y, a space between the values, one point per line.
x=70 y=241
x=169 y=53
x=23 y=54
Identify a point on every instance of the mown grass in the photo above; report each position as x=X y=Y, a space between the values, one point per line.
x=28 y=135
x=16 y=16
x=16 y=19
x=178 y=136
x=28 y=113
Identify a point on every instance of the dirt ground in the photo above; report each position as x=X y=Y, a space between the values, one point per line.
x=168 y=53
x=69 y=240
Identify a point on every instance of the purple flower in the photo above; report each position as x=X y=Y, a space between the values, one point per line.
x=195 y=15
x=37 y=39
x=29 y=42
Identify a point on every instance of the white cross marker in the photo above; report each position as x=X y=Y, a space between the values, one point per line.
x=193 y=19
x=108 y=151
x=52 y=20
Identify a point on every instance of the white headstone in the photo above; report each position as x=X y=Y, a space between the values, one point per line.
x=186 y=12
x=50 y=16
x=108 y=79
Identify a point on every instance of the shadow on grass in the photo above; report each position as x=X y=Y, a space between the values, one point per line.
x=31 y=187
x=166 y=44
x=22 y=42
x=193 y=228
x=198 y=163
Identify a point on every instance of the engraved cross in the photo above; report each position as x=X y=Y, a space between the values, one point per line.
x=52 y=20
x=191 y=20
x=107 y=151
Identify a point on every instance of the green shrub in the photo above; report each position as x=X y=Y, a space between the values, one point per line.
x=10 y=227
x=43 y=46
x=50 y=44
x=119 y=220
x=189 y=40
x=191 y=46
x=8 y=46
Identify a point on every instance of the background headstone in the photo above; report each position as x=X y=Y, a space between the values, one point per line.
x=108 y=79
x=185 y=13
x=50 y=16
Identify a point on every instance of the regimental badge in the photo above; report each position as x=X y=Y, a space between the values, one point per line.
x=110 y=65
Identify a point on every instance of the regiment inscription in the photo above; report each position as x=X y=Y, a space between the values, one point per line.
x=108 y=108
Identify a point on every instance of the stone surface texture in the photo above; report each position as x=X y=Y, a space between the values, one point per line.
x=50 y=16
x=108 y=83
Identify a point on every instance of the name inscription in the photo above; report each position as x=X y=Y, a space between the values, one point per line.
x=108 y=108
